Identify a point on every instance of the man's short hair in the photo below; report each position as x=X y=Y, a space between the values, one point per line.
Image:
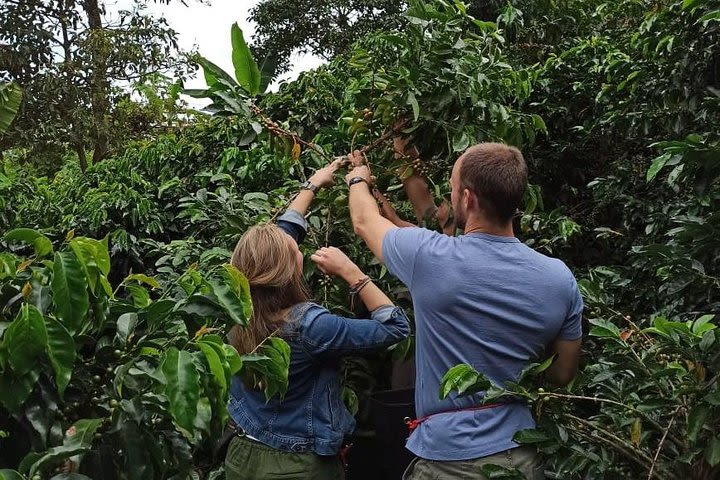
x=497 y=174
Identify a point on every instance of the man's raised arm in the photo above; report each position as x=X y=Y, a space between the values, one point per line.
x=367 y=221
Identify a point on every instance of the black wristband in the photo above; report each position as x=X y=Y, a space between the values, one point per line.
x=358 y=179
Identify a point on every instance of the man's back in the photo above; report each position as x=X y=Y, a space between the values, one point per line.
x=489 y=301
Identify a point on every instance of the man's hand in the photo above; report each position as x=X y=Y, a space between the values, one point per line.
x=356 y=158
x=324 y=176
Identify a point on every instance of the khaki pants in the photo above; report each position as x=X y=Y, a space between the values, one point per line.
x=250 y=460
x=523 y=459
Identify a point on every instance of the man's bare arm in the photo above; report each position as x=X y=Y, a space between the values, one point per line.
x=366 y=219
x=565 y=366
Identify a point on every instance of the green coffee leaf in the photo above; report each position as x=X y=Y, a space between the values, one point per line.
x=69 y=287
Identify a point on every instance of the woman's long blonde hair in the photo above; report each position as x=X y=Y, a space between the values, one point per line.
x=276 y=283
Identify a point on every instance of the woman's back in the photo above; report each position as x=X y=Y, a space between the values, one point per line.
x=311 y=416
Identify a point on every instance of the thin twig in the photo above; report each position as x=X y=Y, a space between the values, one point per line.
x=265 y=340
x=662 y=441
x=632 y=324
x=293 y=135
x=384 y=137
x=287 y=204
x=660 y=428
x=636 y=455
x=327 y=241
x=593 y=437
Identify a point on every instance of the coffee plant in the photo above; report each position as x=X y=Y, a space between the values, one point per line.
x=115 y=295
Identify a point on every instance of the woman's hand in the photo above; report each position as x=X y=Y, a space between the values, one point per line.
x=332 y=261
x=324 y=176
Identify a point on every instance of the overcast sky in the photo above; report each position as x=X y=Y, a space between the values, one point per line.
x=208 y=27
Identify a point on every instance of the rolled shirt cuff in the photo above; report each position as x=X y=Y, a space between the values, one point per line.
x=383 y=313
x=293 y=216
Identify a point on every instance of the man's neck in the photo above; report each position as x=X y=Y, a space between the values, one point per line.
x=482 y=225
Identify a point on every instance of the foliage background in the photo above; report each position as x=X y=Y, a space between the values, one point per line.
x=615 y=106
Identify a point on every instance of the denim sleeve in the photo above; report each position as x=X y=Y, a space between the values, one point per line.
x=294 y=224
x=325 y=334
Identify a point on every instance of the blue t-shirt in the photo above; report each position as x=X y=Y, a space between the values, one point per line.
x=488 y=301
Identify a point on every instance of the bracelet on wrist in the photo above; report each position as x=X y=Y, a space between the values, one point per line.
x=355 y=289
x=308 y=185
x=358 y=179
x=357 y=286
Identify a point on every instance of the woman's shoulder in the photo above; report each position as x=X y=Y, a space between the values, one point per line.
x=302 y=314
x=306 y=310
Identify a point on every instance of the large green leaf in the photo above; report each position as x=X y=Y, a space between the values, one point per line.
x=139 y=277
x=233 y=358
x=656 y=166
x=464 y=379
x=268 y=67
x=712 y=451
x=15 y=389
x=10 y=475
x=93 y=257
x=25 y=340
x=233 y=295
x=531 y=435
x=605 y=329
x=246 y=70
x=215 y=76
x=216 y=366
x=270 y=366
x=61 y=350
x=69 y=287
x=182 y=386
x=78 y=439
x=10 y=98
x=126 y=326
x=240 y=287
x=40 y=242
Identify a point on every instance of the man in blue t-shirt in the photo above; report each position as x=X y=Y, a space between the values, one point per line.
x=483 y=298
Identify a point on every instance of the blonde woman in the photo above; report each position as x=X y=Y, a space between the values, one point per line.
x=299 y=437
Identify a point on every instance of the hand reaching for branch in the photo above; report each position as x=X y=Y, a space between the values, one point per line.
x=332 y=261
x=388 y=211
x=323 y=177
x=357 y=159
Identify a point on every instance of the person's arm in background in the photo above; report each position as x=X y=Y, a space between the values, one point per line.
x=367 y=221
x=293 y=220
x=567 y=359
x=388 y=211
x=566 y=347
x=418 y=191
x=415 y=185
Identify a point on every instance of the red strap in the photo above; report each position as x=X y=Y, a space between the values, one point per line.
x=413 y=423
x=344 y=454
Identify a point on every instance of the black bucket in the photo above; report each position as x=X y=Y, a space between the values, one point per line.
x=390 y=408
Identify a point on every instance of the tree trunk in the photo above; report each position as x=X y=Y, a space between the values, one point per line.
x=80 y=150
x=99 y=85
x=78 y=142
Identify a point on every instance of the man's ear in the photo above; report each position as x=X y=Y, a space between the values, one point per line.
x=469 y=199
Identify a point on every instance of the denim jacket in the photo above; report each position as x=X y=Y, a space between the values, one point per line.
x=312 y=417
